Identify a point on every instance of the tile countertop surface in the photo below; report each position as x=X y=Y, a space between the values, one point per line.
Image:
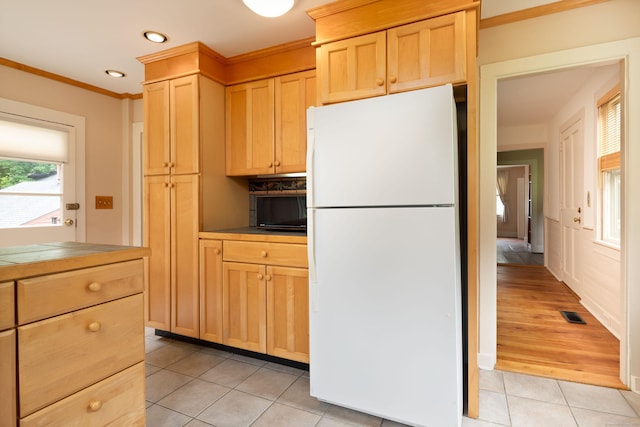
x=38 y=259
x=255 y=234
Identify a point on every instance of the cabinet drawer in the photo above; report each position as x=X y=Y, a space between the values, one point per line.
x=8 y=378
x=62 y=355
x=117 y=401
x=7 y=304
x=287 y=254
x=46 y=296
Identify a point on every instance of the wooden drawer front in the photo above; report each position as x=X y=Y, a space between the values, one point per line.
x=62 y=355
x=48 y=296
x=117 y=401
x=8 y=378
x=287 y=254
x=7 y=304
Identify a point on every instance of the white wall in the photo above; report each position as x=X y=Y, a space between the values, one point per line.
x=107 y=143
x=600 y=283
x=556 y=41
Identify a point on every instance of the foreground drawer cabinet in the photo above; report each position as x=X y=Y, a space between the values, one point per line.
x=98 y=405
x=100 y=341
x=73 y=352
x=54 y=294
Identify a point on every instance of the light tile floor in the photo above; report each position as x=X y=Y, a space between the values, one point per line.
x=190 y=385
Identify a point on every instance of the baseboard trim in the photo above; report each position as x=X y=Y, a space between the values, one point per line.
x=487 y=361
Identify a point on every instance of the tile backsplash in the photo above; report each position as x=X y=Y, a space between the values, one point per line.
x=296 y=185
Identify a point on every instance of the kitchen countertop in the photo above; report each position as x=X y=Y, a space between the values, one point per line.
x=255 y=234
x=38 y=259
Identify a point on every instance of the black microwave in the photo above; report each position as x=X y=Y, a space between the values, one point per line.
x=286 y=212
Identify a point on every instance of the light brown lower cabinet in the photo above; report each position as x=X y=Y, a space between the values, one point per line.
x=74 y=351
x=8 y=374
x=100 y=404
x=262 y=287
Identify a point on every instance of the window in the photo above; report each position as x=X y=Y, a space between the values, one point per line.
x=609 y=137
x=31 y=165
x=499 y=205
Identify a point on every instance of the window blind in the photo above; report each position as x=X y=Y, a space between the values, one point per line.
x=609 y=142
x=28 y=142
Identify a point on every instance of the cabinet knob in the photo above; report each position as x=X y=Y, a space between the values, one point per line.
x=270 y=165
x=216 y=251
x=95 y=326
x=94 y=286
x=267 y=277
x=95 y=405
x=393 y=79
x=263 y=254
x=260 y=276
x=380 y=82
x=277 y=163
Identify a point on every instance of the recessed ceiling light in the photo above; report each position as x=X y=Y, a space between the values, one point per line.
x=115 y=73
x=154 y=36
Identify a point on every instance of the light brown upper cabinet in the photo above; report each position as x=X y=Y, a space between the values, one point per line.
x=412 y=56
x=171 y=122
x=266 y=124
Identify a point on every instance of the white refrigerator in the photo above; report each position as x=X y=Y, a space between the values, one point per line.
x=384 y=264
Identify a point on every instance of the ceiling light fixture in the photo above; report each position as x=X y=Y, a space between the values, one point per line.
x=154 y=36
x=269 y=8
x=115 y=73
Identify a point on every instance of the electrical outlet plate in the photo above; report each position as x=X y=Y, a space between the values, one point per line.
x=104 y=202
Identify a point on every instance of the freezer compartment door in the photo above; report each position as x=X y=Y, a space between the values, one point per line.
x=385 y=322
x=391 y=150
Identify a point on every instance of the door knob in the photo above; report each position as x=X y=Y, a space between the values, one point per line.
x=68 y=221
x=576 y=219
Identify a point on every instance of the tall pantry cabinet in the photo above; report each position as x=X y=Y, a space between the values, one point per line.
x=185 y=187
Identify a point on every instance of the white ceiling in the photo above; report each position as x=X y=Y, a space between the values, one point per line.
x=536 y=98
x=80 y=39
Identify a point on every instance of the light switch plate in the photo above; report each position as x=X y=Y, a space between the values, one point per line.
x=104 y=202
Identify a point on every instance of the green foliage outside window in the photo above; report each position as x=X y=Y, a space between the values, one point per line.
x=14 y=172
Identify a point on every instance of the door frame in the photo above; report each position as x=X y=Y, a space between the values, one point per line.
x=76 y=126
x=627 y=51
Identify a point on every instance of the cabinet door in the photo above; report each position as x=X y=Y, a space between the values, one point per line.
x=352 y=68
x=249 y=128
x=426 y=53
x=288 y=313
x=244 y=307
x=294 y=94
x=8 y=378
x=211 y=290
x=185 y=225
x=155 y=101
x=185 y=121
x=157 y=236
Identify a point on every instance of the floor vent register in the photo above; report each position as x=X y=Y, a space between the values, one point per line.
x=572 y=317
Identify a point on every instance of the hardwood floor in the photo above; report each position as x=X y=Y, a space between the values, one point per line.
x=534 y=338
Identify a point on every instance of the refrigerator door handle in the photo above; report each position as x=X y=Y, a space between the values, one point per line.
x=311 y=253
x=311 y=247
x=310 y=155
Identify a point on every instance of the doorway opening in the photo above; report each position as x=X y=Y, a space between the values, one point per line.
x=539 y=110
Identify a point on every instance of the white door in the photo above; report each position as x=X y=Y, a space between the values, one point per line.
x=41 y=198
x=572 y=176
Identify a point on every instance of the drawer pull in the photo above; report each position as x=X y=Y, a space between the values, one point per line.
x=95 y=326
x=263 y=254
x=95 y=405
x=94 y=286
